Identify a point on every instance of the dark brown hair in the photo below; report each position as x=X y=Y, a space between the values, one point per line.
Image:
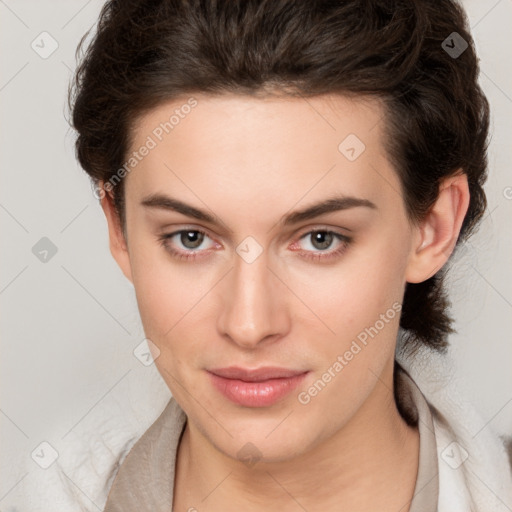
x=146 y=52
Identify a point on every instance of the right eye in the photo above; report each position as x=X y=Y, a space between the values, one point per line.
x=190 y=241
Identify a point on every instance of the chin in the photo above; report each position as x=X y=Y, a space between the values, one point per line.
x=268 y=441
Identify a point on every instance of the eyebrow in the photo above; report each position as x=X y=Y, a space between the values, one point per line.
x=332 y=204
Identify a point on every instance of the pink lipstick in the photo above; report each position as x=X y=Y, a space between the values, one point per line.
x=259 y=387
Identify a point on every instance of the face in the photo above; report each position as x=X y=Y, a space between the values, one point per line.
x=250 y=283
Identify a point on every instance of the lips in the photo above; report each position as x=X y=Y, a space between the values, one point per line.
x=259 y=387
x=256 y=375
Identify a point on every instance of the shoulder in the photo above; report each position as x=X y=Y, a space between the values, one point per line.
x=474 y=463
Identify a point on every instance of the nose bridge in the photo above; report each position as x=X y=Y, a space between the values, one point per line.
x=253 y=310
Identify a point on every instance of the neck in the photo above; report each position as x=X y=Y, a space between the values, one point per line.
x=369 y=464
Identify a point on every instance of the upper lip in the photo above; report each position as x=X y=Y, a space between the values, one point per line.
x=257 y=374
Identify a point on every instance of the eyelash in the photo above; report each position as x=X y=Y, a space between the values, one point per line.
x=315 y=256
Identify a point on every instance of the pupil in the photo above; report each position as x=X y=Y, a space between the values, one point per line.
x=191 y=239
x=323 y=238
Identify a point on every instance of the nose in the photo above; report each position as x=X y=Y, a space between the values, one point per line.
x=254 y=304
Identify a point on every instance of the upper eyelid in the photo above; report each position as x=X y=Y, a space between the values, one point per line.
x=337 y=231
x=304 y=231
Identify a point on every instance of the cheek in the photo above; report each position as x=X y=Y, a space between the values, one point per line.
x=166 y=307
x=352 y=294
x=171 y=299
x=160 y=290
x=361 y=303
x=166 y=303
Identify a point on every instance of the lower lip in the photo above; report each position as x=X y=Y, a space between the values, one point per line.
x=256 y=394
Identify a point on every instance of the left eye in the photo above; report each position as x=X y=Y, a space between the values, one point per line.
x=322 y=240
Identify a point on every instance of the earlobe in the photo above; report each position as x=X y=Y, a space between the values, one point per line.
x=435 y=238
x=117 y=240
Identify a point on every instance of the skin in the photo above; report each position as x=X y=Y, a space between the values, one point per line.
x=250 y=161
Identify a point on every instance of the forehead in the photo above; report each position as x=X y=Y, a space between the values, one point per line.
x=271 y=120
x=244 y=149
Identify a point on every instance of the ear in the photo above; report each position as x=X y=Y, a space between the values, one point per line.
x=117 y=240
x=436 y=236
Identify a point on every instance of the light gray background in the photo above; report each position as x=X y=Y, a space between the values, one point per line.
x=70 y=325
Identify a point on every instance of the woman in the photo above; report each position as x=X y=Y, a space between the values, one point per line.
x=284 y=183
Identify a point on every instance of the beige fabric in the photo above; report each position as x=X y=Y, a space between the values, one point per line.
x=426 y=491
x=145 y=479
